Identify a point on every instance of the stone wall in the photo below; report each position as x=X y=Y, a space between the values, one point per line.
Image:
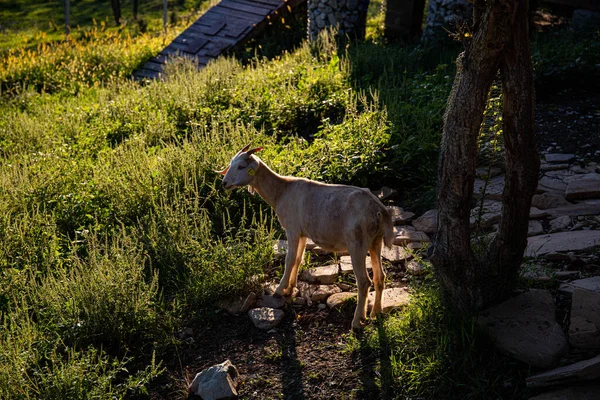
x=348 y=15
x=444 y=15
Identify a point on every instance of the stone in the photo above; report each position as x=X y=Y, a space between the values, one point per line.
x=584 y=330
x=493 y=189
x=427 y=222
x=346 y=264
x=415 y=268
x=553 y=167
x=535 y=273
x=270 y=301
x=525 y=328
x=385 y=192
x=535 y=228
x=583 y=208
x=535 y=213
x=583 y=19
x=324 y=275
x=582 y=177
x=560 y=223
x=280 y=248
x=550 y=184
x=397 y=254
x=216 y=382
x=564 y=275
x=324 y=291
x=336 y=300
x=399 y=216
x=591 y=284
x=238 y=305
x=492 y=211
x=266 y=318
x=484 y=172
x=547 y=200
x=562 y=242
x=587 y=370
x=391 y=298
x=571 y=393
x=583 y=189
x=558 y=158
x=405 y=236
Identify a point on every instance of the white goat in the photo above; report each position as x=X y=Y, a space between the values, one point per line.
x=336 y=217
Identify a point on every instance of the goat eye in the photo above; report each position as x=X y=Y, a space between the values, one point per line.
x=241 y=167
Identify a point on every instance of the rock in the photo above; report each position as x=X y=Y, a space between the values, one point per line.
x=344 y=286
x=336 y=300
x=564 y=275
x=216 y=382
x=300 y=301
x=525 y=328
x=545 y=201
x=346 y=264
x=397 y=254
x=266 y=318
x=558 y=257
x=572 y=393
x=415 y=268
x=549 y=184
x=560 y=223
x=585 y=177
x=399 y=216
x=485 y=172
x=591 y=284
x=535 y=228
x=583 y=19
x=535 y=273
x=270 y=302
x=490 y=215
x=280 y=248
x=561 y=242
x=238 y=305
x=583 y=189
x=427 y=222
x=553 y=167
x=385 y=192
x=584 y=330
x=324 y=291
x=535 y=213
x=583 y=208
x=310 y=244
x=493 y=190
x=557 y=158
x=405 y=236
x=324 y=275
x=270 y=288
x=391 y=298
x=582 y=371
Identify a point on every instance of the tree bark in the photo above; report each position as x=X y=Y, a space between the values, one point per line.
x=135 y=9
x=116 y=8
x=471 y=282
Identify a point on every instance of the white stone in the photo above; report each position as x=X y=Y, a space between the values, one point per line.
x=336 y=300
x=415 y=268
x=346 y=264
x=592 y=284
x=583 y=208
x=405 y=236
x=525 y=328
x=561 y=242
x=583 y=189
x=535 y=273
x=535 y=213
x=280 y=248
x=549 y=184
x=571 y=393
x=324 y=291
x=324 y=275
x=266 y=318
x=397 y=254
x=238 y=305
x=493 y=189
x=545 y=201
x=487 y=215
x=559 y=158
x=391 y=298
x=216 y=382
x=427 y=222
x=587 y=370
x=584 y=330
x=270 y=301
x=535 y=228
x=399 y=216
x=560 y=223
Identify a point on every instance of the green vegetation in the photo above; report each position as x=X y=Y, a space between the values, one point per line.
x=114 y=230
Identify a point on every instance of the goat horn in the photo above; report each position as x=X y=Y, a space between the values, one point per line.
x=254 y=150
x=245 y=148
x=224 y=171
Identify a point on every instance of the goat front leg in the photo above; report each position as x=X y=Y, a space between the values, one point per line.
x=363 y=282
x=291 y=265
x=378 y=276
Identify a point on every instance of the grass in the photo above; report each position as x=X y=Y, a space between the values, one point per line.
x=114 y=231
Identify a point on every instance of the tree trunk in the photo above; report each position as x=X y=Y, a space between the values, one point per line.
x=116 y=8
x=470 y=281
x=135 y=9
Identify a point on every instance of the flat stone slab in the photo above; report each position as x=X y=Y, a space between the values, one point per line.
x=324 y=275
x=560 y=223
x=415 y=268
x=238 y=305
x=583 y=189
x=584 y=329
x=427 y=222
x=548 y=200
x=583 y=208
x=397 y=254
x=525 y=328
x=266 y=318
x=270 y=301
x=487 y=215
x=535 y=228
x=391 y=298
x=572 y=393
x=536 y=213
x=558 y=158
x=561 y=242
x=346 y=264
x=550 y=184
x=406 y=236
x=280 y=248
x=582 y=371
x=400 y=216
x=336 y=300
x=493 y=190
x=592 y=284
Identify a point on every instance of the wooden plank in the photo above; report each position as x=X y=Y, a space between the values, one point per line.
x=271 y=3
x=201 y=34
x=232 y=5
x=236 y=30
x=215 y=28
x=270 y=6
x=196 y=45
x=153 y=66
x=146 y=74
x=252 y=18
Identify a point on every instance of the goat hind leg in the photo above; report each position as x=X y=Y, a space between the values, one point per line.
x=363 y=282
x=378 y=276
x=284 y=288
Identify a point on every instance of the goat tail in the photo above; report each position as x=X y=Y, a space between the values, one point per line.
x=385 y=221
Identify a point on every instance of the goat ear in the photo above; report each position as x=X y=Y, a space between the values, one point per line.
x=254 y=150
x=224 y=171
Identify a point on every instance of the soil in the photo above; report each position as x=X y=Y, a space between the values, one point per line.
x=307 y=356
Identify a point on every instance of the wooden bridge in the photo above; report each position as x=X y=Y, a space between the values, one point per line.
x=223 y=27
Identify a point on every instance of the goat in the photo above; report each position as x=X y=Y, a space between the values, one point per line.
x=335 y=217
